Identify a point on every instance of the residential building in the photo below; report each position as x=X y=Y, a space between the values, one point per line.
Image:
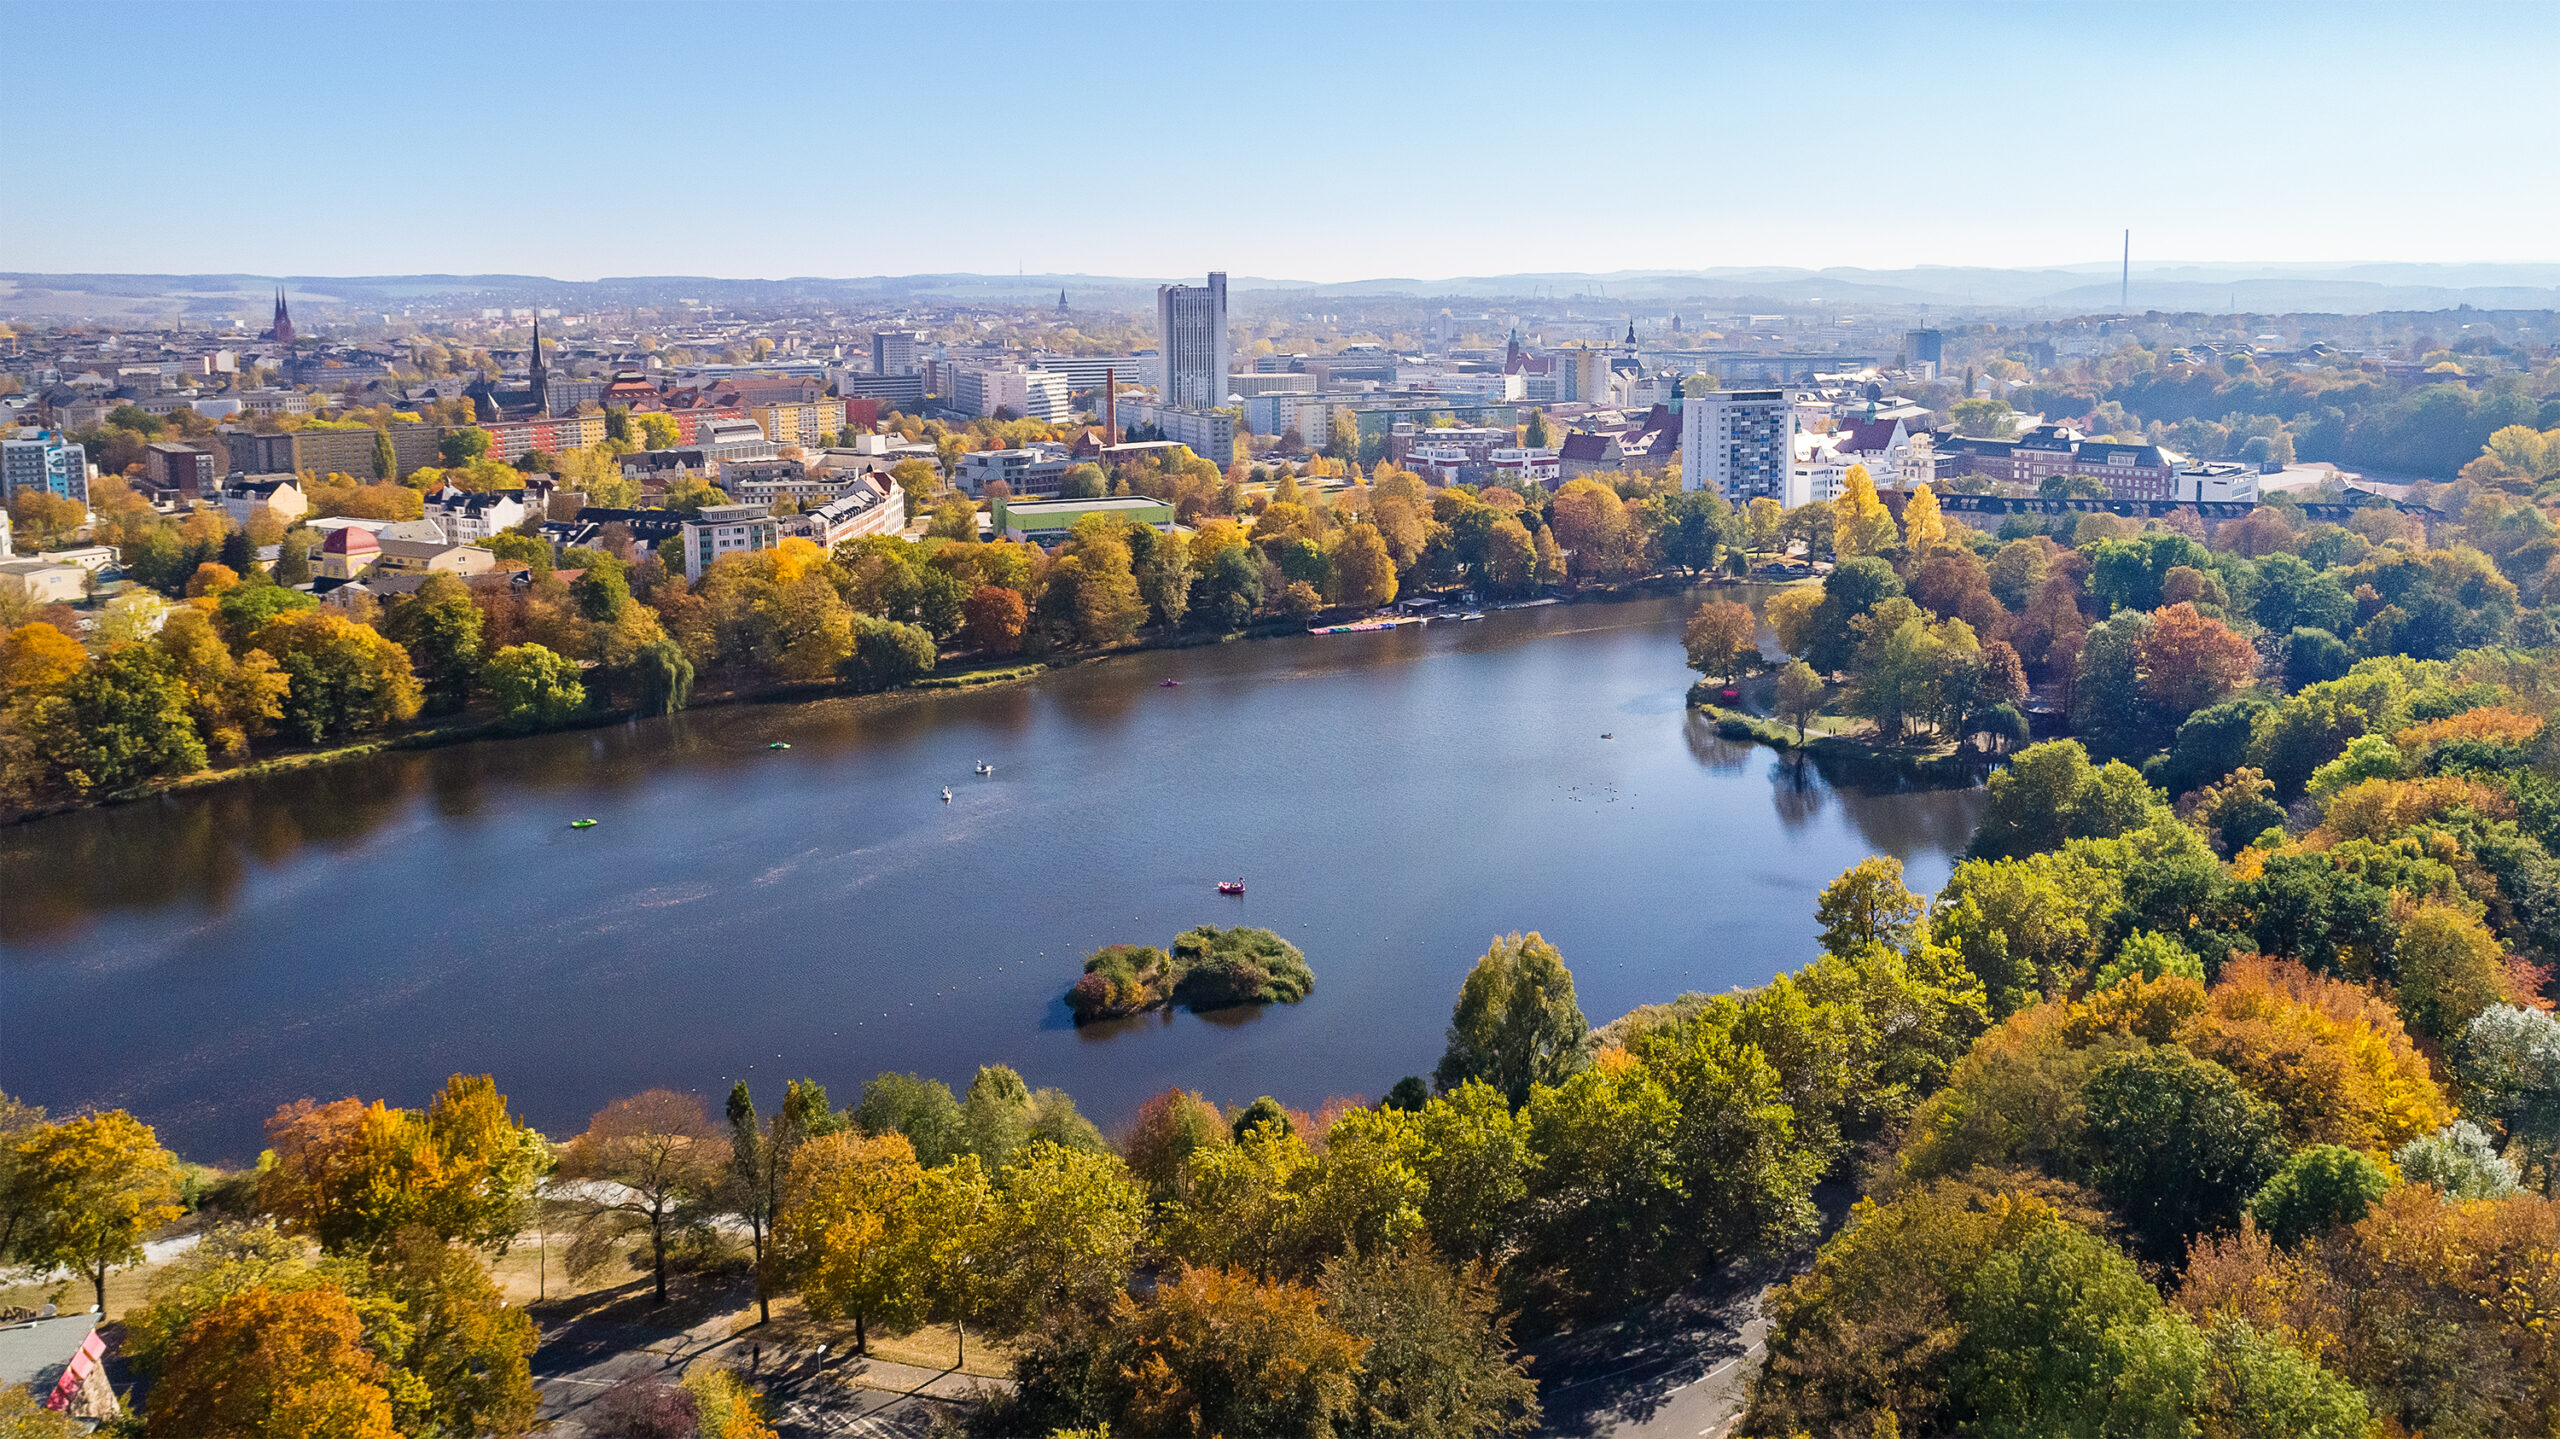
x=273 y=402
x=179 y=471
x=810 y=424
x=1819 y=471
x=1895 y=456
x=512 y=440
x=1277 y=414
x=1739 y=443
x=870 y=505
x=1210 y=434
x=722 y=530
x=1475 y=442
x=1519 y=468
x=1048 y=522
x=563 y=394
x=1191 y=344
x=426 y=557
x=244 y=497
x=2130 y=472
x=44 y=462
x=469 y=516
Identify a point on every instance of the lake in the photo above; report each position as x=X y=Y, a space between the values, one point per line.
x=1392 y=800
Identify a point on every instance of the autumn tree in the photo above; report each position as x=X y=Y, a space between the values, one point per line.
x=1217 y=1351
x=1862 y=525
x=1721 y=638
x=353 y=1176
x=845 y=1232
x=439 y=625
x=1923 y=530
x=2190 y=660
x=269 y=1365
x=84 y=1193
x=652 y=1164
x=1363 y=568
x=1516 y=1024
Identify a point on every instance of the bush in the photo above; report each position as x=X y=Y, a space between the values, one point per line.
x=1208 y=968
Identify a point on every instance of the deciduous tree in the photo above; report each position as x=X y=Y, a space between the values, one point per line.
x=1516 y=1024
x=652 y=1165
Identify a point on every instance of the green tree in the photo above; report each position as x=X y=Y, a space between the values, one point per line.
x=1082 y=482
x=1851 y=590
x=2181 y=1145
x=2327 y=1186
x=534 y=688
x=85 y=1193
x=2063 y=1336
x=439 y=625
x=663 y=674
x=1063 y=1233
x=459 y=447
x=887 y=654
x=1867 y=905
x=1439 y=1360
x=2049 y=793
x=293 y=557
x=1798 y=694
x=115 y=723
x=1516 y=1024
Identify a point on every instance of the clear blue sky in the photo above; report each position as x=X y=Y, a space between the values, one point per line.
x=1321 y=141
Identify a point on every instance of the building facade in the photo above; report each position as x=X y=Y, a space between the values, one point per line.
x=726 y=530
x=1739 y=443
x=1191 y=344
x=43 y=462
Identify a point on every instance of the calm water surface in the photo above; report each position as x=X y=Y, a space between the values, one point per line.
x=1393 y=800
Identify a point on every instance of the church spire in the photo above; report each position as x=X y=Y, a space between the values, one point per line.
x=541 y=386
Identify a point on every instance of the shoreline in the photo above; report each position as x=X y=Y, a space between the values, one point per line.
x=456 y=732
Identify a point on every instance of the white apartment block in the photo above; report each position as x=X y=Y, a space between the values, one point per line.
x=1740 y=444
x=726 y=530
x=1191 y=343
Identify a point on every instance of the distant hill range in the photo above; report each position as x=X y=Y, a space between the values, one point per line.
x=1958 y=291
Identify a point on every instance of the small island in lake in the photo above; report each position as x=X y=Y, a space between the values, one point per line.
x=1208 y=968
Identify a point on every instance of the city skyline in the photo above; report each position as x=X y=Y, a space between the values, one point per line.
x=1865 y=137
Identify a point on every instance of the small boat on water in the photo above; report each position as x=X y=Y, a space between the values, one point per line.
x=582 y=824
x=1610 y=735
x=946 y=794
x=777 y=744
x=1170 y=685
x=1472 y=615
x=985 y=768
x=1231 y=886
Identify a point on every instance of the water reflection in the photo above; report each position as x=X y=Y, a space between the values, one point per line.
x=1393 y=798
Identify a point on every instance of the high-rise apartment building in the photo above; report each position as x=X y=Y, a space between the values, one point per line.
x=44 y=461
x=893 y=352
x=1740 y=444
x=1191 y=343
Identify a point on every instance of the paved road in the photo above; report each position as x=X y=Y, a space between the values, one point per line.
x=809 y=1393
x=1680 y=1370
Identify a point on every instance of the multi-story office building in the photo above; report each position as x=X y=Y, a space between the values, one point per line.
x=563 y=394
x=1086 y=372
x=1251 y=385
x=1191 y=344
x=179 y=471
x=727 y=530
x=1029 y=394
x=895 y=352
x=904 y=393
x=1740 y=444
x=44 y=462
x=724 y=440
